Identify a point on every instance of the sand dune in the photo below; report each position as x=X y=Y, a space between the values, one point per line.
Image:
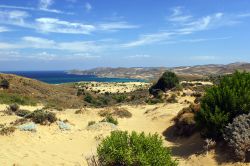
x=51 y=146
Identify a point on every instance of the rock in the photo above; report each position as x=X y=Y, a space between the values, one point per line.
x=28 y=127
x=63 y=126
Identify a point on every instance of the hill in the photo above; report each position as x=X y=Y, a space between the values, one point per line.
x=34 y=91
x=152 y=73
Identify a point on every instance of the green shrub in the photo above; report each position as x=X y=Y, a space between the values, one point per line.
x=166 y=82
x=223 y=102
x=110 y=119
x=4 y=84
x=124 y=149
x=42 y=117
x=22 y=113
x=13 y=107
x=88 y=98
x=119 y=97
x=238 y=136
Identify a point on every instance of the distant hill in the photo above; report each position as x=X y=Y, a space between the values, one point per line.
x=151 y=73
x=56 y=95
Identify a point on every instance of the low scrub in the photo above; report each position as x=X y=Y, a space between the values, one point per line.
x=185 y=124
x=42 y=117
x=237 y=136
x=7 y=130
x=23 y=113
x=9 y=98
x=122 y=148
x=110 y=119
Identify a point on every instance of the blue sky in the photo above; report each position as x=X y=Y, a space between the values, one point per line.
x=82 y=34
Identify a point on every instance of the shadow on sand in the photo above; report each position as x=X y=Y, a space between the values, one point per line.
x=194 y=145
x=184 y=146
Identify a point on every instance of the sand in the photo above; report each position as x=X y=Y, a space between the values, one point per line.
x=50 y=146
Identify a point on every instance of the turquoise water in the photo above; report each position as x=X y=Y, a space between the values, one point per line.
x=58 y=77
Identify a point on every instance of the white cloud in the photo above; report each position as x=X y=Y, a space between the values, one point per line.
x=36 y=42
x=59 y=26
x=148 y=39
x=44 y=5
x=113 y=26
x=44 y=56
x=203 y=58
x=4 y=29
x=138 y=56
x=183 y=25
x=34 y=9
x=177 y=15
x=88 y=7
x=15 y=17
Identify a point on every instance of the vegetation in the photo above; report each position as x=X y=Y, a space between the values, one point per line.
x=166 y=82
x=184 y=121
x=4 y=84
x=7 y=130
x=42 y=117
x=9 y=98
x=223 y=102
x=13 y=107
x=122 y=113
x=22 y=112
x=124 y=149
x=91 y=123
x=110 y=119
x=238 y=136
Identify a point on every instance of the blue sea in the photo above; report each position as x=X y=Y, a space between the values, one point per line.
x=58 y=77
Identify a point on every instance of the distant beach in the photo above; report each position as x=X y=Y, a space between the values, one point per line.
x=59 y=77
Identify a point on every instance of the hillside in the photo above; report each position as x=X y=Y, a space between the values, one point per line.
x=54 y=95
x=151 y=73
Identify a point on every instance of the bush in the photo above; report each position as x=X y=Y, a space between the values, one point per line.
x=184 y=121
x=110 y=119
x=238 y=136
x=7 y=130
x=22 y=113
x=42 y=117
x=124 y=149
x=122 y=113
x=223 y=102
x=88 y=98
x=4 y=84
x=91 y=123
x=167 y=81
x=13 y=107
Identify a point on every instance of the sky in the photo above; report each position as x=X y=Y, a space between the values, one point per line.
x=84 y=34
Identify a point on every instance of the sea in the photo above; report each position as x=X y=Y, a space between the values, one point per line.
x=59 y=77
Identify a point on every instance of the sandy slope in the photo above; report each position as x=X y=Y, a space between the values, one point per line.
x=51 y=146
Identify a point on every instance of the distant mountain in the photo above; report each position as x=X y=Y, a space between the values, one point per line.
x=150 y=73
